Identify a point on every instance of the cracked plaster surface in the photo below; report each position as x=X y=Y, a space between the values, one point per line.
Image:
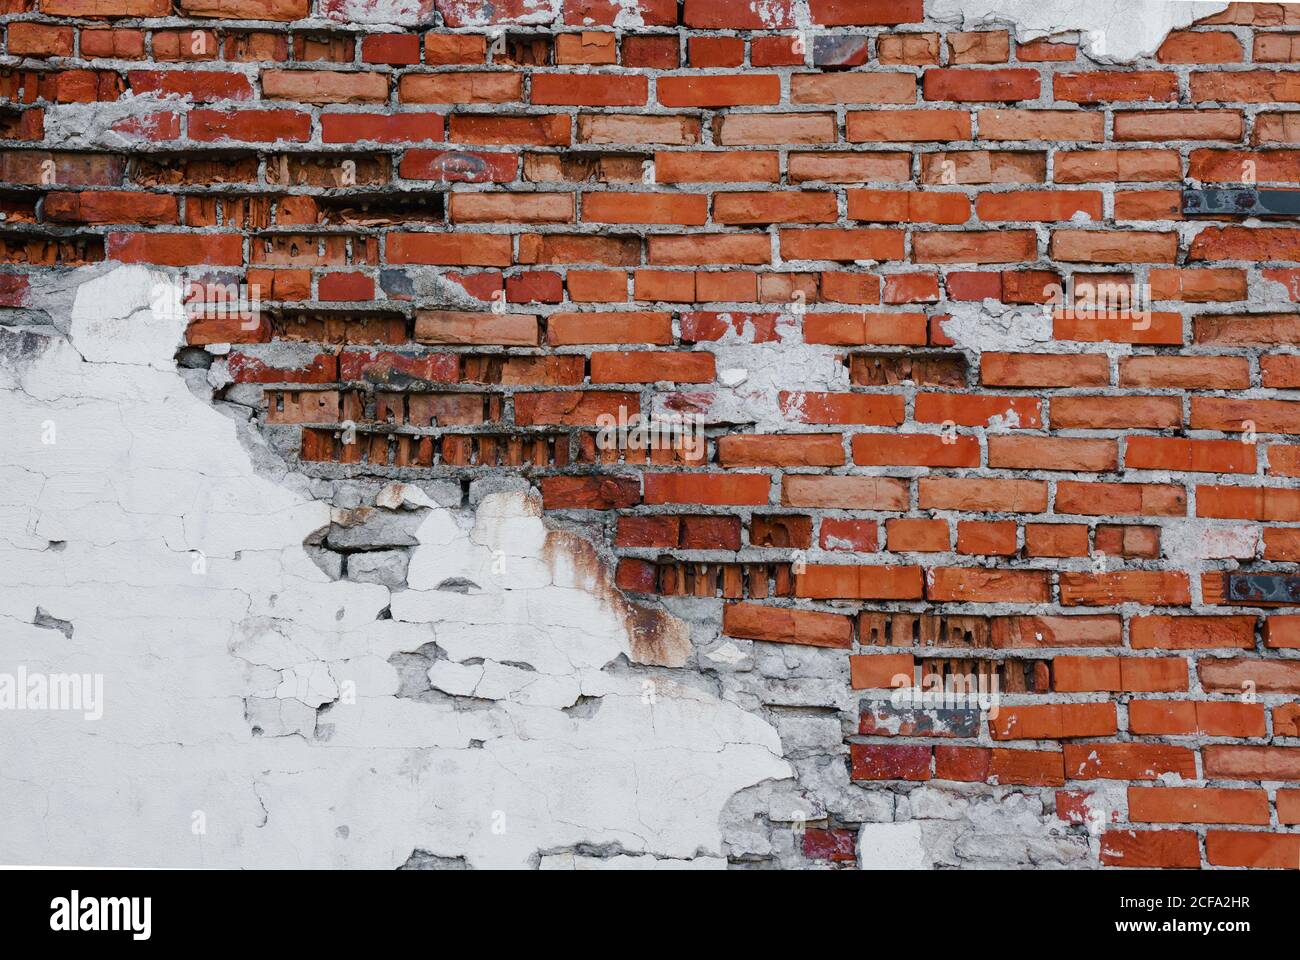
x=1109 y=30
x=247 y=690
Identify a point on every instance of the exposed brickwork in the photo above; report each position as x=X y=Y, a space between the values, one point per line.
x=478 y=236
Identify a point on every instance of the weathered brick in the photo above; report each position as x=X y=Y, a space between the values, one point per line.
x=519 y=228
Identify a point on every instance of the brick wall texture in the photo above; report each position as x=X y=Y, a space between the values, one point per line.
x=875 y=257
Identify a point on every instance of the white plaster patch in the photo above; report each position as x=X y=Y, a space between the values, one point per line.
x=142 y=336
x=995 y=327
x=1191 y=541
x=396 y=12
x=1115 y=30
x=476 y=13
x=975 y=825
x=100 y=125
x=182 y=572
x=892 y=846
x=758 y=374
x=629 y=15
x=569 y=861
x=771 y=13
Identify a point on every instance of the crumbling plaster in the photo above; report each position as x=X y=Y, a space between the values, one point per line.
x=246 y=688
x=502 y=707
x=1109 y=30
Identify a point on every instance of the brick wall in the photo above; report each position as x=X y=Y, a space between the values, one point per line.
x=878 y=260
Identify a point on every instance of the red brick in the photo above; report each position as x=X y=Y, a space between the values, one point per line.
x=979 y=46
x=1237 y=848
x=1053 y=721
x=323 y=86
x=395 y=49
x=1039 y=205
x=754 y=621
x=95 y=9
x=750 y=89
x=848 y=493
x=1056 y=540
x=917 y=536
x=579 y=408
x=1176 y=453
x=852 y=88
x=488 y=250
x=881 y=671
x=590 y=493
x=461 y=87
x=589 y=90
x=789 y=450
x=661 y=52
x=1035 y=768
x=346 y=286
x=968 y=411
x=1002 y=496
x=1107 y=86
x=453 y=48
x=1070 y=125
x=983 y=585
x=202 y=86
x=982 y=85
x=856 y=408
x=1156 y=588
x=709 y=489
x=864 y=13
x=889 y=762
x=1245 y=86
x=622 y=327
x=1150 y=848
x=111 y=206
x=1053 y=453
x=176 y=249
x=284 y=10
x=258 y=126
x=1187 y=718
x=823 y=581
x=1041 y=51
x=887 y=206
x=715 y=51
x=915 y=49
x=784 y=207
x=1197 y=805
x=1044 y=370
x=1011 y=246
x=852 y=535
x=112 y=44
x=39 y=40
x=1192 y=632
x=966 y=764
x=684 y=209
x=1198 y=47
x=986 y=538
x=836 y=845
